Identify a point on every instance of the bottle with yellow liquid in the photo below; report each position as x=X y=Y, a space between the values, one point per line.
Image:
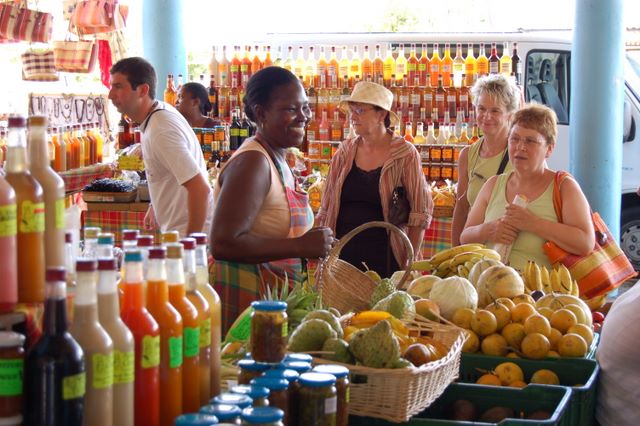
x=470 y=68
x=389 y=68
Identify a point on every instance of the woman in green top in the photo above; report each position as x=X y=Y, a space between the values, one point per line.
x=495 y=99
x=493 y=218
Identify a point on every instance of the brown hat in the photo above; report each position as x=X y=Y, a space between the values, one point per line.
x=370 y=93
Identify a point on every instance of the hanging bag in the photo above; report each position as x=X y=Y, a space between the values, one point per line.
x=602 y=270
x=18 y=23
x=99 y=16
x=77 y=56
x=39 y=66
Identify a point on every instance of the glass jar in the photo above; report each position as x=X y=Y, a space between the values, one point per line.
x=290 y=376
x=259 y=394
x=226 y=413
x=298 y=357
x=297 y=366
x=249 y=369
x=242 y=401
x=193 y=419
x=11 y=374
x=342 y=389
x=263 y=416
x=278 y=393
x=317 y=399
x=269 y=331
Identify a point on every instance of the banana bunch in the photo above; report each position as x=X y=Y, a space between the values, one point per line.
x=556 y=280
x=456 y=260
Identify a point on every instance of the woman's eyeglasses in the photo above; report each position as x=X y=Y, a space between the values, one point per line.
x=358 y=110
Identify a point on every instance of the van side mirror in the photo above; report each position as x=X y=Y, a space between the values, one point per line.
x=629 y=124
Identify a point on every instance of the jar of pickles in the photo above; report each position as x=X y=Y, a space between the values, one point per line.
x=259 y=394
x=262 y=416
x=269 y=331
x=249 y=369
x=278 y=393
x=225 y=413
x=317 y=399
x=342 y=389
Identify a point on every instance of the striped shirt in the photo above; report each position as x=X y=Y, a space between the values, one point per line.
x=403 y=168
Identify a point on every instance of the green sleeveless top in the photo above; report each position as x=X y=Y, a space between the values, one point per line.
x=480 y=169
x=528 y=246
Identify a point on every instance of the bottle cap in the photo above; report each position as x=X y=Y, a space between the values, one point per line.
x=238 y=400
x=196 y=419
x=188 y=243
x=259 y=415
x=157 y=252
x=287 y=374
x=271 y=383
x=107 y=264
x=56 y=273
x=201 y=237
x=316 y=379
x=16 y=121
x=253 y=391
x=170 y=237
x=298 y=366
x=84 y=264
x=133 y=256
x=145 y=240
x=269 y=305
x=298 y=357
x=130 y=234
x=105 y=238
x=9 y=339
x=174 y=251
x=68 y=237
x=91 y=232
x=338 y=371
x=222 y=411
x=37 y=120
x=251 y=365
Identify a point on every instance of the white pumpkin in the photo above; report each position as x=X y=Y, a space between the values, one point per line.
x=498 y=281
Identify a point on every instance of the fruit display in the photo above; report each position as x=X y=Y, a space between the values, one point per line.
x=556 y=280
x=456 y=260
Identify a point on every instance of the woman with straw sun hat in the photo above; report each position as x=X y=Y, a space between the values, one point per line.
x=363 y=175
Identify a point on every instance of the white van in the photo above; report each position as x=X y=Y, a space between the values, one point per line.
x=546 y=61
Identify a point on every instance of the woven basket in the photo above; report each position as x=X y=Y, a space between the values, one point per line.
x=347 y=288
x=398 y=394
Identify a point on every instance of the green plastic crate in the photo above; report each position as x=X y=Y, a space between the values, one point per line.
x=594 y=346
x=570 y=371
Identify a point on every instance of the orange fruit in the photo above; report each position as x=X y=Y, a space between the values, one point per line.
x=563 y=319
x=521 y=312
x=472 y=344
x=546 y=312
x=494 y=344
x=462 y=317
x=524 y=298
x=572 y=345
x=501 y=312
x=489 y=379
x=505 y=301
x=513 y=334
x=484 y=323
x=545 y=377
x=554 y=338
x=535 y=346
x=583 y=330
x=508 y=372
x=536 y=323
x=518 y=384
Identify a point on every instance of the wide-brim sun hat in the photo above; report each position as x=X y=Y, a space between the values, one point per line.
x=366 y=92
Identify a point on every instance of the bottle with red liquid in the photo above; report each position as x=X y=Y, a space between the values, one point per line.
x=55 y=376
x=146 y=335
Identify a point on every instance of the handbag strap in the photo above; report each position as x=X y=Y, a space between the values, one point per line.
x=503 y=162
x=557 y=197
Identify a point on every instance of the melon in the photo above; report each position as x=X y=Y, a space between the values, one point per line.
x=421 y=287
x=556 y=301
x=479 y=267
x=498 y=281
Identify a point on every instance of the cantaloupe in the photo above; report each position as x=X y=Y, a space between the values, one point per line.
x=556 y=301
x=479 y=267
x=498 y=281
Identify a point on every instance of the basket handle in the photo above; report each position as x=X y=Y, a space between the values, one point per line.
x=335 y=251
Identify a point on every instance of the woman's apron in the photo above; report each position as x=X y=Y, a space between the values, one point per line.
x=239 y=284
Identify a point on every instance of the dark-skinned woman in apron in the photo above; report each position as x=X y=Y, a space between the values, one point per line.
x=263 y=226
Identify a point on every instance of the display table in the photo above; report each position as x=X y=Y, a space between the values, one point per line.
x=437 y=237
x=76 y=179
x=115 y=217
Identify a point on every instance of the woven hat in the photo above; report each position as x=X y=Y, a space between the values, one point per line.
x=370 y=93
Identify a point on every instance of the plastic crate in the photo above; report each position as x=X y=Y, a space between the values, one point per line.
x=571 y=372
x=591 y=354
x=534 y=397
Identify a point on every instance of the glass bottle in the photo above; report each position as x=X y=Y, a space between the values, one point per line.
x=256 y=63
x=452 y=98
x=505 y=61
x=146 y=336
x=55 y=366
x=30 y=216
x=171 y=336
x=310 y=70
x=458 y=67
x=268 y=331
x=123 y=345
x=335 y=132
x=299 y=64
x=104 y=247
x=213 y=96
x=265 y=416
x=204 y=316
x=8 y=247
x=378 y=64
x=440 y=99
x=464 y=135
x=170 y=93
x=401 y=64
x=130 y=238
x=223 y=66
x=343 y=65
x=408 y=136
x=321 y=68
x=333 y=65
x=60 y=162
x=288 y=61
x=317 y=397
x=424 y=66
x=419 y=138
x=96 y=345
x=447 y=66
x=268 y=62
x=482 y=63
x=323 y=128
x=470 y=69
x=474 y=134
x=516 y=64
x=435 y=64
x=389 y=68
x=214 y=63
x=91 y=241
x=412 y=65
x=191 y=328
x=367 y=64
x=202 y=282
x=494 y=60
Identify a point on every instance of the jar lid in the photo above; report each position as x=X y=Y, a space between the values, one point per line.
x=251 y=365
x=269 y=305
x=222 y=411
x=241 y=401
x=105 y=238
x=201 y=237
x=37 y=120
x=287 y=374
x=9 y=339
x=130 y=234
x=84 y=264
x=298 y=366
x=298 y=357
x=145 y=240
x=271 y=383
x=16 y=121
x=91 y=232
x=170 y=237
x=253 y=391
x=174 y=251
x=56 y=273
x=158 y=252
x=107 y=264
x=193 y=419
x=133 y=256
x=262 y=414
x=68 y=237
x=188 y=243
x=315 y=380
x=338 y=371
x=11 y=421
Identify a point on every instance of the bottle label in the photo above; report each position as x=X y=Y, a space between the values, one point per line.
x=73 y=387
x=191 y=341
x=32 y=217
x=331 y=405
x=244 y=132
x=494 y=67
x=446 y=69
x=241 y=329
x=422 y=67
x=8 y=220
x=411 y=67
x=234 y=131
x=435 y=68
x=415 y=99
x=311 y=135
x=440 y=98
x=175 y=351
x=60 y=214
x=123 y=367
x=347 y=395
x=150 y=351
x=11 y=377
x=205 y=333
x=102 y=371
x=285 y=329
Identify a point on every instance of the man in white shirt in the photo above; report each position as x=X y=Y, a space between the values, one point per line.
x=181 y=197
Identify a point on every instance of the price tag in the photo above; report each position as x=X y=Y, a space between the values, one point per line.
x=150 y=351
x=191 y=341
x=175 y=351
x=130 y=162
x=73 y=387
x=102 y=371
x=123 y=367
x=11 y=377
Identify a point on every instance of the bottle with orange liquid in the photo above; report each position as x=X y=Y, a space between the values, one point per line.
x=146 y=335
x=424 y=69
x=378 y=65
x=170 y=94
x=470 y=69
x=30 y=216
x=171 y=337
x=482 y=63
x=245 y=64
x=332 y=65
x=191 y=328
x=202 y=282
x=60 y=160
x=366 y=65
x=447 y=65
x=435 y=64
x=321 y=67
x=204 y=317
x=268 y=62
x=256 y=63
x=234 y=65
x=412 y=65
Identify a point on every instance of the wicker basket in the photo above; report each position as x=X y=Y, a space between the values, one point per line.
x=347 y=288
x=398 y=394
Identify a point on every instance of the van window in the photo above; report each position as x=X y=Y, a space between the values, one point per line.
x=547 y=81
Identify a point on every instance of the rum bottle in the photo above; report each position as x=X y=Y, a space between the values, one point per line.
x=268 y=62
x=288 y=62
x=419 y=138
x=344 y=64
x=223 y=67
x=412 y=65
x=336 y=128
x=378 y=65
x=8 y=247
x=234 y=65
x=470 y=69
x=440 y=99
x=310 y=72
x=367 y=64
x=389 y=67
x=213 y=96
x=505 y=61
x=323 y=128
x=516 y=64
x=321 y=68
x=256 y=63
x=401 y=64
x=447 y=66
x=452 y=98
x=170 y=91
x=482 y=63
x=423 y=65
x=355 y=67
x=458 y=67
x=427 y=95
x=494 y=61
x=299 y=64
x=435 y=64
x=333 y=65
